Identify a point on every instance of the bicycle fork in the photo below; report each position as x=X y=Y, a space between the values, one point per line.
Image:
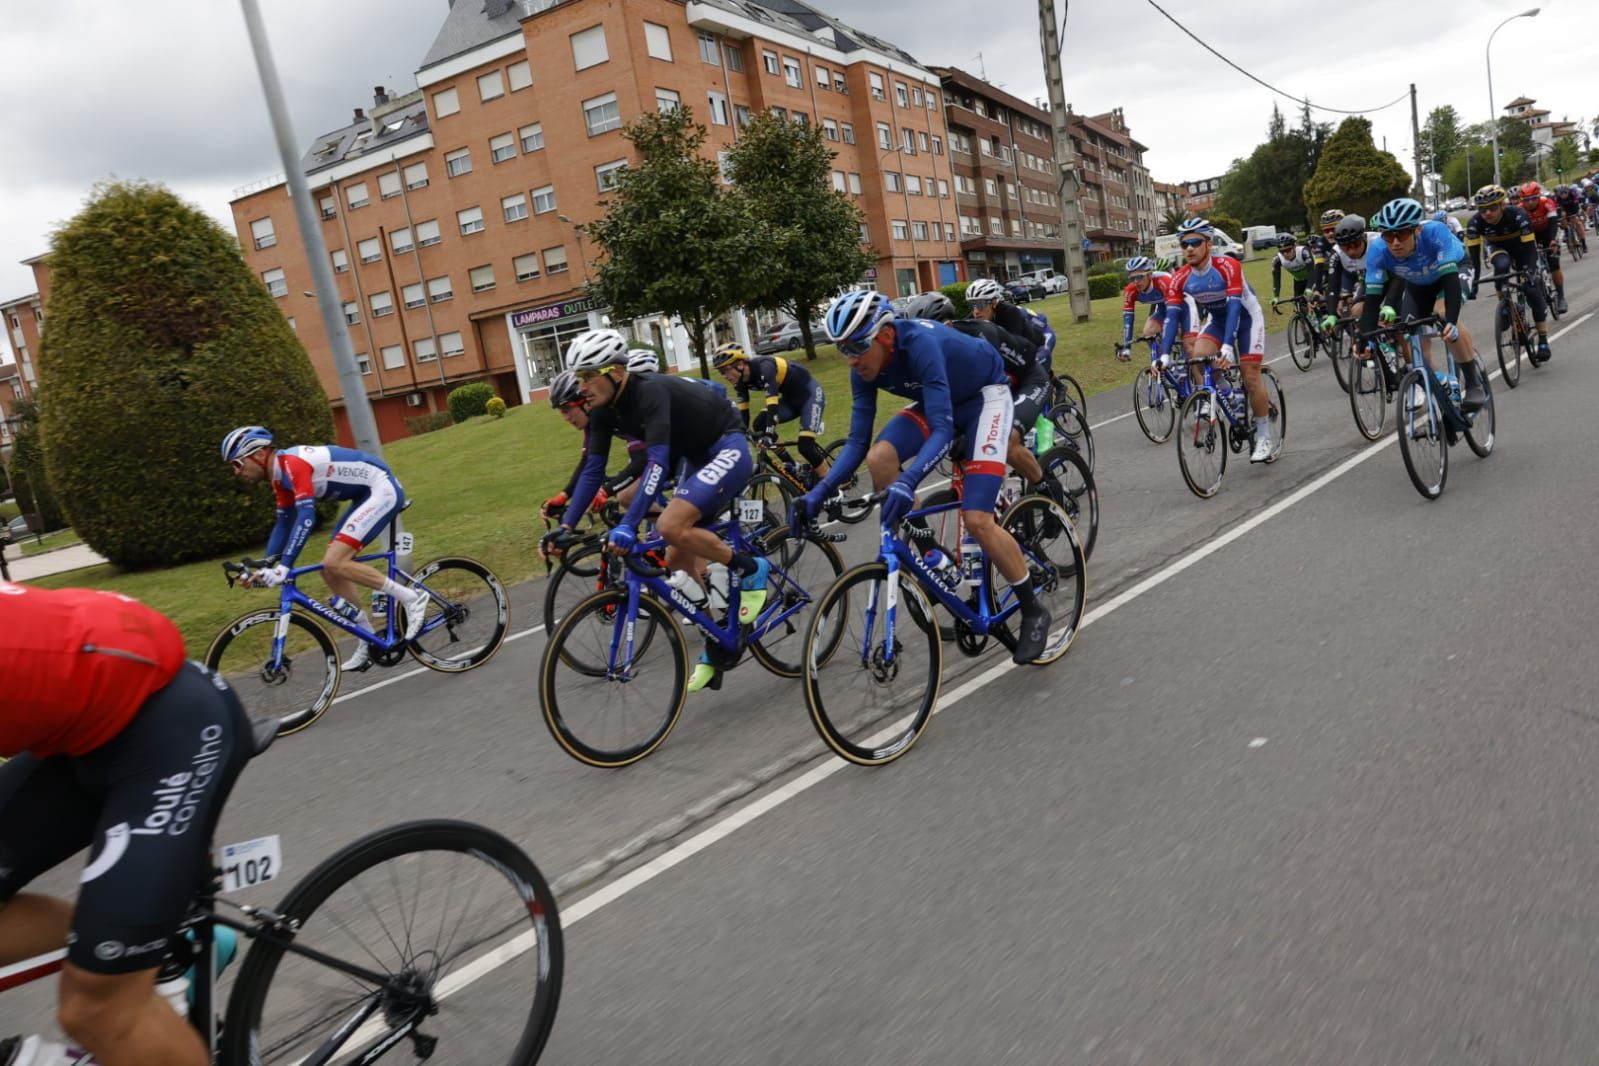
x=878 y=657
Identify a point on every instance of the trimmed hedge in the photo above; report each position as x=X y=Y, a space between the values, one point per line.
x=428 y=423
x=1103 y=285
x=957 y=296
x=470 y=400
x=495 y=407
x=160 y=340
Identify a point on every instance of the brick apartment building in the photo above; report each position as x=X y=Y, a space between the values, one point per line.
x=1117 y=199
x=1201 y=196
x=450 y=213
x=1169 y=197
x=24 y=320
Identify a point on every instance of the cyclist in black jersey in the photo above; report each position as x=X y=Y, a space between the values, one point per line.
x=988 y=303
x=792 y=392
x=567 y=398
x=1508 y=231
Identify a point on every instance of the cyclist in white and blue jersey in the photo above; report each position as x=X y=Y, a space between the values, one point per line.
x=300 y=476
x=958 y=385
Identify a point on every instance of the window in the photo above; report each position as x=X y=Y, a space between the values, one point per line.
x=502 y=147
x=780 y=112
x=891 y=180
x=382 y=304
x=718 y=109
x=735 y=58
x=667 y=100
x=901 y=94
x=520 y=75
x=839 y=85
x=393 y=357
x=791 y=72
x=416 y=176
x=885 y=136
x=427 y=233
x=514 y=207
x=605 y=174
x=824 y=78
x=413 y=296
x=363 y=362
x=426 y=351
x=401 y=241
x=909 y=139
x=261 y=230
x=921 y=139
x=1015 y=228
x=876 y=81
x=741 y=115
x=658 y=41
x=439 y=289
x=916 y=96
x=554 y=260
x=482 y=278
x=588 y=48
x=352 y=312
x=913 y=185
x=866 y=234
x=275 y=282
x=769 y=61
x=848 y=131
x=544 y=200
x=829 y=129
x=989 y=187
x=996 y=227
x=356 y=195
x=920 y=230
x=1012 y=191
x=801 y=118
x=451 y=344
x=389 y=184
x=602 y=115
x=329 y=207
x=490 y=86
x=938 y=145
x=458 y=162
x=526 y=267
x=341 y=261
x=369 y=250
x=949 y=231
x=855 y=183
x=709 y=52
x=471 y=220
x=838 y=180
x=445 y=102
x=901 y=231
x=943 y=189
x=532 y=137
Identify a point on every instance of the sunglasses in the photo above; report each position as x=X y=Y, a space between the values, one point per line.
x=856 y=349
x=1194 y=242
x=1139 y=277
x=1394 y=236
x=1351 y=242
x=586 y=376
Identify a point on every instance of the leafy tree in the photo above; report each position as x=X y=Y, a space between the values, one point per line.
x=781 y=174
x=1353 y=174
x=1226 y=223
x=1565 y=158
x=27 y=472
x=1172 y=218
x=1442 y=135
x=1267 y=188
x=160 y=339
x=1481 y=170
x=674 y=242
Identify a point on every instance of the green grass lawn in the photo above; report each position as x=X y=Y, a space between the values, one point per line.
x=61 y=538
x=9 y=509
x=477 y=486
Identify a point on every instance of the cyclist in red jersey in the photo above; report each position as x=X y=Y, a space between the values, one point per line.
x=1545 y=216
x=118 y=744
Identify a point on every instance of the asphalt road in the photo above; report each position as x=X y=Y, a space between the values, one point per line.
x=1321 y=796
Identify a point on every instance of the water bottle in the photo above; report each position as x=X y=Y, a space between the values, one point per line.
x=380 y=608
x=687 y=586
x=347 y=608
x=972 y=560
x=1044 y=434
x=943 y=568
x=802 y=472
x=716 y=577
x=1448 y=384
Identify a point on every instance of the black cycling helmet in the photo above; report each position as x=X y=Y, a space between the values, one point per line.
x=564 y=390
x=933 y=305
x=1287 y=240
x=1349 y=228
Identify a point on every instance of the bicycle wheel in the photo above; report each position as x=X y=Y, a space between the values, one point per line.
x=1055 y=556
x=1071 y=428
x=1155 y=405
x=852 y=672
x=468 y=614
x=1276 y=410
x=852 y=489
x=1421 y=434
x=297 y=690
x=1081 y=501
x=1202 y=444
x=593 y=717
x=1066 y=390
x=1368 y=397
x=807 y=567
x=1340 y=351
x=1480 y=434
x=575 y=578
x=774 y=495
x=429 y=907
x=1301 y=345
x=1507 y=342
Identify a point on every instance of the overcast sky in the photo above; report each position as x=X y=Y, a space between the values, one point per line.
x=166 y=90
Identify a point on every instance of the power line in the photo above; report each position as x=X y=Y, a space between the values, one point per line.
x=1268 y=85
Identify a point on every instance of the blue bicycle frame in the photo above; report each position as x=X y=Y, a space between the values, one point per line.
x=1230 y=402
x=1166 y=380
x=289 y=597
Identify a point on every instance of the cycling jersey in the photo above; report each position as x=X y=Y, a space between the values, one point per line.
x=75 y=665
x=1512 y=233
x=1568 y=202
x=617 y=481
x=1029 y=381
x=1542 y=214
x=1298 y=266
x=1159 y=287
x=1218 y=289
x=1025 y=323
x=1320 y=249
x=1345 y=269
x=1434 y=258
x=305 y=473
x=781 y=380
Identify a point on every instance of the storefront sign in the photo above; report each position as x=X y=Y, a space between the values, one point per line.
x=870 y=275
x=550 y=312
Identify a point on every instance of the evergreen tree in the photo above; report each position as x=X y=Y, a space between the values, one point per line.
x=27 y=471
x=1353 y=174
x=1442 y=136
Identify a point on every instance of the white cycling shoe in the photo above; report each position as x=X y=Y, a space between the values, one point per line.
x=359 y=659
x=1264 y=452
x=416 y=615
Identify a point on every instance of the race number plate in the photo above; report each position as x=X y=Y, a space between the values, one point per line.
x=406 y=544
x=751 y=512
x=251 y=863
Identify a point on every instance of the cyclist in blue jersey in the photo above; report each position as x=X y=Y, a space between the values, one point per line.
x=792 y=393
x=988 y=302
x=304 y=474
x=1426 y=257
x=958 y=385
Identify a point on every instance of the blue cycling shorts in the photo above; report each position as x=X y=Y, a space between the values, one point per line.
x=709 y=486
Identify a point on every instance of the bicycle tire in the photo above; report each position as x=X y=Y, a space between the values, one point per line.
x=856 y=738
x=1205 y=436
x=1082 y=495
x=578 y=569
x=1072 y=429
x=1301 y=345
x=256 y=688
x=460 y=591
x=1422 y=441
x=1483 y=430
x=395 y=848
x=1506 y=338
x=776 y=497
x=1339 y=353
x=1368 y=397
x=1033 y=522
x=849 y=513
x=768 y=650
x=1068 y=389
x=610 y=605
x=1154 y=406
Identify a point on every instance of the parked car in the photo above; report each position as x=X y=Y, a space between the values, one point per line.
x=1056 y=283
x=1024 y=292
x=785 y=337
x=17 y=528
x=1048 y=277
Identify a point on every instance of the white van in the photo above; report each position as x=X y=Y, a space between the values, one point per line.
x=1052 y=280
x=1166 y=246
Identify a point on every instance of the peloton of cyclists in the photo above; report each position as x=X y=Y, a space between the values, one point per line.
x=1507 y=231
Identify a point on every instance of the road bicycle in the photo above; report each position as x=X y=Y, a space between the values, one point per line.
x=1305 y=336
x=1158 y=394
x=794 y=477
x=1374 y=380
x=1216 y=418
x=285 y=665
x=873 y=672
x=378 y=949
x=1065 y=389
x=1576 y=243
x=1079 y=498
x=1066 y=411
x=626 y=641
x=1430 y=418
x=1546 y=279
x=1515 y=333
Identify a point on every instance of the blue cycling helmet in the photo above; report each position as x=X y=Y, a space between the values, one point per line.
x=1440 y=215
x=855 y=317
x=1197 y=226
x=1140 y=263
x=1403 y=213
x=246 y=440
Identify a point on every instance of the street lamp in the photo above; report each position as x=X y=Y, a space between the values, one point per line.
x=1493 y=116
x=577 y=231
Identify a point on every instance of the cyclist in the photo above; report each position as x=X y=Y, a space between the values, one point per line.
x=1320 y=246
x=989 y=302
x=1297 y=260
x=1569 y=200
x=958 y=386
x=567 y=398
x=792 y=392
x=1216 y=283
x=300 y=476
x=1508 y=231
x=1590 y=197
x=1543 y=213
x=685 y=428
x=1426 y=257
x=1346 y=266
x=120 y=746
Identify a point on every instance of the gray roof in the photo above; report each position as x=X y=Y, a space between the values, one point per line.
x=471 y=24
x=333 y=148
x=845 y=37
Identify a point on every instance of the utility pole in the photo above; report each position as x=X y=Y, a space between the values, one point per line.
x=1415 y=133
x=363 y=427
x=1065 y=162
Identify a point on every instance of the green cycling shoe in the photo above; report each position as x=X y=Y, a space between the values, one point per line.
x=752 y=593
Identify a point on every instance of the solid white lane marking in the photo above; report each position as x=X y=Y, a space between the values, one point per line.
x=1258 y=742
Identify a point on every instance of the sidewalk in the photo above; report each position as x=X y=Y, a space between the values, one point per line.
x=73 y=558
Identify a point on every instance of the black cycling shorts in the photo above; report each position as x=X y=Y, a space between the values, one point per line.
x=147 y=801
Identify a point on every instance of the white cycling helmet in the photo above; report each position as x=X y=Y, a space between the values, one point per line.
x=596 y=349
x=642 y=361
x=984 y=290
